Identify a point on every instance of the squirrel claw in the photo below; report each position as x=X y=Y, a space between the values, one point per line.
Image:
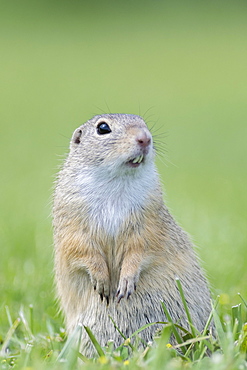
x=128 y=294
x=102 y=296
x=126 y=287
x=119 y=296
x=102 y=288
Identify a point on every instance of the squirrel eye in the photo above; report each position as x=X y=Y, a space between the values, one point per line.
x=103 y=128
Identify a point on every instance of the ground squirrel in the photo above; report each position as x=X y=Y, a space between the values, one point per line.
x=118 y=250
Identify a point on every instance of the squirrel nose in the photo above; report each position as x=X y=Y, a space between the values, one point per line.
x=143 y=139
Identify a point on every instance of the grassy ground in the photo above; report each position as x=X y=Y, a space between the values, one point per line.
x=183 y=65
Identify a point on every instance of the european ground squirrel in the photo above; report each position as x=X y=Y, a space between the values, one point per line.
x=118 y=251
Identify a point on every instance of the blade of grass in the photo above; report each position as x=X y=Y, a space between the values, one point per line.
x=94 y=341
x=207 y=324
x=79 y=354
x=186 y=307
x=139 y=330
x=243 y=339
x=14 y=338
x=219 y=329
x=25 y=323
x=143 y=328
x=174 y=330
x=245 y=303
x=116 y=327
x=8 y=316
x=82 y=357
x=191 y=341
x=74 y=354
x=162 y=352
x=28 y=350
x=69 y=343
x=186 y=331
x=237 y=318
x=202 y=352
x=10 y=333
x=31 y=317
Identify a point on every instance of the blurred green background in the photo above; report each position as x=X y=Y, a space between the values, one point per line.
x=182 y=64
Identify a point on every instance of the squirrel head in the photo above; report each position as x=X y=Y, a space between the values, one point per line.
x=115 y=142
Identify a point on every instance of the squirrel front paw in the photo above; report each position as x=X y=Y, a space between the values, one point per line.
x=102 y=287
x=127 y=285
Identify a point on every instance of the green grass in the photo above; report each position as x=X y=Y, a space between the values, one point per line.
x=183 y=63
x=225 y=348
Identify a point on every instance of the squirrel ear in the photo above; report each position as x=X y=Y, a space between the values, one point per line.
x=76 y=139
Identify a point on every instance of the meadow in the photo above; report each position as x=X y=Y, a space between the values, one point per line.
x=182 y=65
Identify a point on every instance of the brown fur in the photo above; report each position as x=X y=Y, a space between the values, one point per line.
x=124 y=275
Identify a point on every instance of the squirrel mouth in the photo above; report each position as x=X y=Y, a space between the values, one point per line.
x=135 y=162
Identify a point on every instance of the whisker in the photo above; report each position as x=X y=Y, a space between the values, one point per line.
x=157 y=129
x=144 y=115
x=161 y=159
x=109 y=110
x=100 y=109
x=148 y=120
x=161 y=153
x=164 y=159
x=66 y=137
x=160 y=138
